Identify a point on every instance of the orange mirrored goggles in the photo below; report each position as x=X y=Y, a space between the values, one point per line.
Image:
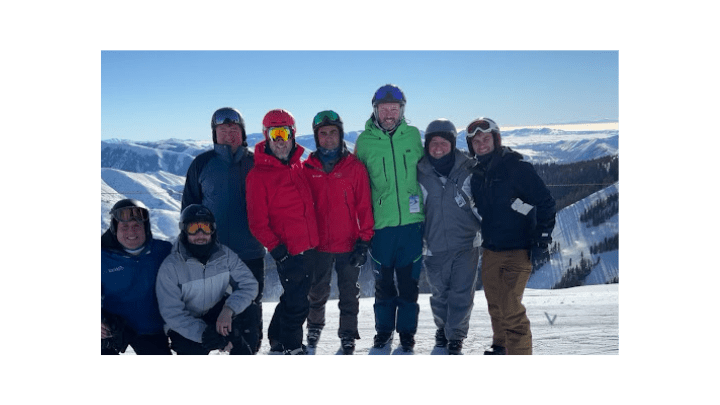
x=278 y=133
x=195 y=227
x=131 y=214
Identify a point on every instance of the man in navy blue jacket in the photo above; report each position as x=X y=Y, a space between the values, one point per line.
x=518 y=217
x=130 y=260
x=216 y=179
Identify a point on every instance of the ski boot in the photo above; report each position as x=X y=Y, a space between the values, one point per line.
x=496 y=350
x=382 y=339
x=455 y=347
x=348 y=344
x=313 y=336
x=407 y=341
x=440 y=339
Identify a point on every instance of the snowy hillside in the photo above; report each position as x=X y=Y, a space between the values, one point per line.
x=575 y=239
x=154 y=172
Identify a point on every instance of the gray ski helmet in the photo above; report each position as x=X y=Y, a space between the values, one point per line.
x=227 y=115
x=142 y=214
x=441 y=127
x=196 y=213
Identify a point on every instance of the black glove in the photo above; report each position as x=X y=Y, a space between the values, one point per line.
x=211 y=340
x=359 y=255
x=539 y=249
x=280 y=253
x=121 y=334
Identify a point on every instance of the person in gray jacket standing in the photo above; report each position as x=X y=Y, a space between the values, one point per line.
x=191 y=290
x=451 y=241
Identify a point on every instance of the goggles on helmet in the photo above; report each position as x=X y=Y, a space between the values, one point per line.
x=278 y=133
x=127 y=214
x=325 y=116
x=195 y=227
x=483 y=125
x=388 y=92
x=226 y=116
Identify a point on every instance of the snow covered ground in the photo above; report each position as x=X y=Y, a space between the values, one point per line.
x=584 y=322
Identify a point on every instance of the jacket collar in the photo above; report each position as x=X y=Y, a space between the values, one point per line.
x=225 y=153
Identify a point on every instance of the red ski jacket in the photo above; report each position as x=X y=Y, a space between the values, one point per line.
x=343 y=203
x=280 y=205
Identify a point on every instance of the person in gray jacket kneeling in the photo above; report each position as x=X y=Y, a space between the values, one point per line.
x=191 y=289
x=452 y=238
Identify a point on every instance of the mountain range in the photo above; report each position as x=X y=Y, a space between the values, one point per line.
x=154 y=172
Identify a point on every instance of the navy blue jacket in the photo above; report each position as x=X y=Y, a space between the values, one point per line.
x=216 y=179
x=516 y=207
x=128 y=283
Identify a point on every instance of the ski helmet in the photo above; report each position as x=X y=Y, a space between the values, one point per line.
x=441 y=127
x=227 y=115
x=483 y=125
x=278 y=118
x=130 y=210
x=324 y=118
x=197 y=213
x=388 y=93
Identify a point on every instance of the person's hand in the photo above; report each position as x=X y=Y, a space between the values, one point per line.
x=540 y=250
x=223 y=325
x=211 y=340
x=359 y=254
x=105 y=331
x=280 y=253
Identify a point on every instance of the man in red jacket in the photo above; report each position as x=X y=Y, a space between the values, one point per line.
x=281 y=216
x=343 y=208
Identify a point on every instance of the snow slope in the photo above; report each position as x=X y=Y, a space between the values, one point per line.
x=584 y=322
x=576 y=238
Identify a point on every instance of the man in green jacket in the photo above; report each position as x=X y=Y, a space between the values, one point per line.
x=391 y=149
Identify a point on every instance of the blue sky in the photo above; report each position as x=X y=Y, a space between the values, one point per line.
x=153 y=95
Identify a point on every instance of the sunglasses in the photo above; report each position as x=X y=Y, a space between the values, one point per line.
x=325 y=116
x=277 y=133
x=131 y=214
x=195 y=227
x=226 y=117
x=485 y=125
x=383 y=92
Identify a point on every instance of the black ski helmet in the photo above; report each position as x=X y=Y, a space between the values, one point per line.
x=327 y=117
x=227 y=115
x=128 y=203
x=196 y=213
x=441 y=127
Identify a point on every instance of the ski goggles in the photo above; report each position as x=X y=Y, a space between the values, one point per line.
x=483 y=125
x=278 y=133
x=195 y=227
x=226 y=116
x=127 y=214
x=388 y=92
x=325 y=116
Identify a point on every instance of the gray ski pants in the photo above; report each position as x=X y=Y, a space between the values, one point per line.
x=452 y=276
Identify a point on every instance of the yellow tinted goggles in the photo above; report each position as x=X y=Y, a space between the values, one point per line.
x=195 y=227
x=278 y=133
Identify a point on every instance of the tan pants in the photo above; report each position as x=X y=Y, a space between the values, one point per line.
x=504 y=276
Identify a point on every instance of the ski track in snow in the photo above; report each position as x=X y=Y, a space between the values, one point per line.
x=585 y=323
